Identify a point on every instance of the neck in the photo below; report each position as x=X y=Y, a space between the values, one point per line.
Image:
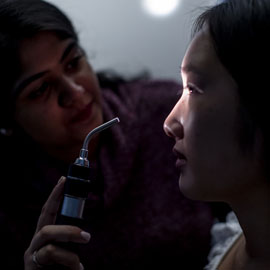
x=253 y=212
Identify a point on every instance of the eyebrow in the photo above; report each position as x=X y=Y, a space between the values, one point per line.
x=68 y=50
x=19 y=88
x=21 y=85
x=191 y=69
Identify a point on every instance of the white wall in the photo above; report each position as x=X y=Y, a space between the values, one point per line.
x=119 y=34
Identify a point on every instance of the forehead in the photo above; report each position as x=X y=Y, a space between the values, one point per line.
x=41 y=50
x=200 y=56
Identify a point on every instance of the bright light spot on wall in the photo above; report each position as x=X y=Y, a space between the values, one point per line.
x=160 y=7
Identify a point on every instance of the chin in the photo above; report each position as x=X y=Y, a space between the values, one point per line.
x=191 y=190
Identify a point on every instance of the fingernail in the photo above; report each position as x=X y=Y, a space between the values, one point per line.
x=85 y=235
x=81 y=266
x=61 y=179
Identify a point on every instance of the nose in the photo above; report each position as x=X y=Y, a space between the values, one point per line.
x=172 y=125
x=71 y=93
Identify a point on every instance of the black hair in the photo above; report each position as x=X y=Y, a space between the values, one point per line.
x=239 y=30
x=21 y=19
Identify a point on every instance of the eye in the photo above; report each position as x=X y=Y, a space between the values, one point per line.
x=193 y=89
x=38 y=92
x=74 y=63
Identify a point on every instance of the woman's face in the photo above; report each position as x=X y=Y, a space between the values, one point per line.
x=59 y=99
x=204 y=124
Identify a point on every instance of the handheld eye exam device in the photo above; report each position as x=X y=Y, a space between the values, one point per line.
x=78 y=183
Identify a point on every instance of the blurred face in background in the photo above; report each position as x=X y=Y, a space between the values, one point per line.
x=58 y=96
x=205 y=126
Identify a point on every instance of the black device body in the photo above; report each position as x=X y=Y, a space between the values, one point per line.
x=77 y=187
x=76 y=190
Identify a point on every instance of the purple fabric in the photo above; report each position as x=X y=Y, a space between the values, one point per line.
x=137 y=216
x=147 y=221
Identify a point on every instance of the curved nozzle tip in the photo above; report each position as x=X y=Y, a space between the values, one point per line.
x=82 y=160
x=99 y=129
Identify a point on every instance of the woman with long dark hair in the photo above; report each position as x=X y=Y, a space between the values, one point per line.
x=50 y=99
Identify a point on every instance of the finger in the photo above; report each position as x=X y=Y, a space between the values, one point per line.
x=50 y=208
x=58 y=233
x=53 y=254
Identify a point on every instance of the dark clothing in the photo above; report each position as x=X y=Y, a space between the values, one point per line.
x=137 y=216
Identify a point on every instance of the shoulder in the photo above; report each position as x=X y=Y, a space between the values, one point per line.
x=224 y=234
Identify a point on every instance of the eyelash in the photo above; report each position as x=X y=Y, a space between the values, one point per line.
x=38 y=92
x=192 y=89
x=73 y=64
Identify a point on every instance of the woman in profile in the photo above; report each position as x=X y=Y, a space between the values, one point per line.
x=221 y=128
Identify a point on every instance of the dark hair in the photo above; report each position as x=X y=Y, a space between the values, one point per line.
x=20 y=19
x=239 y=30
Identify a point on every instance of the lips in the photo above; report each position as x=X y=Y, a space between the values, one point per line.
x=181 y=159
x=84 y=114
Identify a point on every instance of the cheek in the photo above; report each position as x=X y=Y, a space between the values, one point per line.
x=90 y=82
x=36 y=121
x=211 y=131
x=26 y=117
x=212 y=148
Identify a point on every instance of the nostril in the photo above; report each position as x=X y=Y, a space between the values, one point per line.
x=174 y=130
x=168 y=130
x=64 y=100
